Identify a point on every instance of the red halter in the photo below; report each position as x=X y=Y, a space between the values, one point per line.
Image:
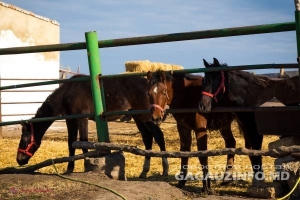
x=157 y=106
x=222 y=86
x=32 y=142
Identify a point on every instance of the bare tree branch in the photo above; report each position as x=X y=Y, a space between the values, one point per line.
x=276 y=152
x=32 y=168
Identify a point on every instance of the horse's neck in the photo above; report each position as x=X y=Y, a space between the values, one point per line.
x=40 y=129
x=242 y=91
x=46 y=110
x=185 y=93
x=170 y=92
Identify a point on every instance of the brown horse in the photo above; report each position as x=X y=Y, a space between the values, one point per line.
x=179 y=92
x=76 y=98
x=244 y=89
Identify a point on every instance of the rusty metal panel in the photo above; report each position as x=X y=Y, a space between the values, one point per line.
x=278 y=122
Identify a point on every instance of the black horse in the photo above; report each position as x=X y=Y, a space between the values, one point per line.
x=244 y=89
x=76 y=98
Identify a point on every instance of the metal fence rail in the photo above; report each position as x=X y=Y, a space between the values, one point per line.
x=172 y=37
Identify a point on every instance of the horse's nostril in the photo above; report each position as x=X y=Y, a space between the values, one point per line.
x=22 y=161
x=201 y=107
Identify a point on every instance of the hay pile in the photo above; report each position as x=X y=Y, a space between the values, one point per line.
x=146 y=65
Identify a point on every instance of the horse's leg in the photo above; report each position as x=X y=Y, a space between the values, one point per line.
x=82 y=124
x=253 y=140
x=202 y=145
x=229 y=143
x=147 y=140
x=185 y=145
x=159 y=139
x=72 y=137
x=201 y=137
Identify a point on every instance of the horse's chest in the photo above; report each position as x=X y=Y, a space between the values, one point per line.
x=188 y=121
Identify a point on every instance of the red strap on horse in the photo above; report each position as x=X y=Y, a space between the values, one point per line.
x=32 y=142
x=157 y=106
x=207 y=94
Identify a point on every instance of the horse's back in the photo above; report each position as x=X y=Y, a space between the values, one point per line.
x=127 y=93
x=288 y=90
x=120 y=94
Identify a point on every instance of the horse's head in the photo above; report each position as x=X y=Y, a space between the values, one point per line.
x=213 y=87
x=27 y=145
x=158 y=94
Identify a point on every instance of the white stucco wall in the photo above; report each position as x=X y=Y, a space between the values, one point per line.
x=22 y=28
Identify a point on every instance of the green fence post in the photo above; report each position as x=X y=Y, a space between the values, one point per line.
x=297 y=22
x=95 y=70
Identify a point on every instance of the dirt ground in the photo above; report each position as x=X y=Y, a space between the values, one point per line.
x=98 y=186
x=32 y=186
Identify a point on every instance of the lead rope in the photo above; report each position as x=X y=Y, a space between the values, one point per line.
x=93 y=184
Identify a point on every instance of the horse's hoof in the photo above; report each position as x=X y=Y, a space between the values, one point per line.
x=68 y=172
x=143 y=175
x=225 y=183
x=256 y=182
x=180 y=185
x=207 y=191
x=165 y=174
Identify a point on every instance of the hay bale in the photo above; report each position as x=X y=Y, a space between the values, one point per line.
x=146 y=65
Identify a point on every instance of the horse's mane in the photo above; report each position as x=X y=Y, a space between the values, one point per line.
x=187 y=76
x=158 y=76
x=192 y=76
x=52 y=106
x=78 y=75
x=250 y=77
x=173 y=77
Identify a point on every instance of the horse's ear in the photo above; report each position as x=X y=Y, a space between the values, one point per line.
x=162 y=75
x=149 y=75
x=206 y=63
x=24 y=125
x=216 y=62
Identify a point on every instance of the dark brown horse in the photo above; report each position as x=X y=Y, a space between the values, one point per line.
x=179 y=92
x=244 y=89
x=76 y=98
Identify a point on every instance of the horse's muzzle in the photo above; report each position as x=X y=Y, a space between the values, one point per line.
x=157 y=121
x=203 y=108
x=22 y=159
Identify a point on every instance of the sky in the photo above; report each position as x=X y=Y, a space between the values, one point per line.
x=114 y=19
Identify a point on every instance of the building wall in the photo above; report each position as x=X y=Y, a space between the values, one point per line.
x=18 y=28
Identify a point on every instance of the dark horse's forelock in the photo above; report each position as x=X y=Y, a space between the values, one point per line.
x=159 y=76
